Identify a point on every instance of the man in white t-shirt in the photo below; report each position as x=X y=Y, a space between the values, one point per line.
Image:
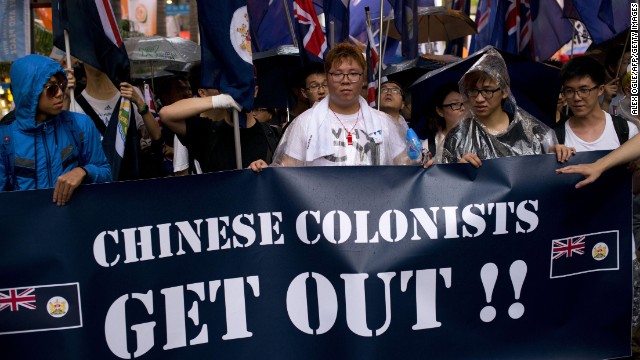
x=341 y=129
x=101 y=98
x=590 y=127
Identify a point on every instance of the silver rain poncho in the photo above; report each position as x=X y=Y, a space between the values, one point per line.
x=525 y=134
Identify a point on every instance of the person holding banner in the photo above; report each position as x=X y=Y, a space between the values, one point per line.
x=341 y=129
x=46 y=146
x=495 y=126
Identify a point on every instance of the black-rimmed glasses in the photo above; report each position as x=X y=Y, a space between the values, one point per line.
x=352 y=76
x=454 y=105
x=486 y=93
x=570 y=93
x=315 y=87
x=51 y=90
x=394 y=91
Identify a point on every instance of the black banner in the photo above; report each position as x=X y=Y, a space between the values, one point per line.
x=505 y=261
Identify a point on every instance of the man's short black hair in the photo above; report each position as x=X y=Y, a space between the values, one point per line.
x=582 y=66
x=310 y=69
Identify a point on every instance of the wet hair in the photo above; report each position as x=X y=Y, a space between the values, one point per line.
x=583 y=66
x=165 y=86
x=477 y=76
x=345 y=51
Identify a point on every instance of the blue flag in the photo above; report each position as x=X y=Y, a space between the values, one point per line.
x=454 y=47
x=584 y=253
x=226 y=49
x=337 y=12
x=604 y=19
x=406 y=21
x=40 y=308
x=93 y=36
x=15 y=37
x=269 y=24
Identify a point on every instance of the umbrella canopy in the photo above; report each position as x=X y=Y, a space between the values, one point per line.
x=407 y=72
x=437 y=23
x=162 y=50
x=276 y=70
x=534 y=85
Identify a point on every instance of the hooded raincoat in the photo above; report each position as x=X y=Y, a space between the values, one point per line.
x=42 y=152
x=525 y=134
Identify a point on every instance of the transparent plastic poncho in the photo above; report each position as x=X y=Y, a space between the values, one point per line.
x=525 y=134
x=314 y=139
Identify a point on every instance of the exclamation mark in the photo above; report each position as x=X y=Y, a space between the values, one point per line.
x=489 y=275
x=518 y=272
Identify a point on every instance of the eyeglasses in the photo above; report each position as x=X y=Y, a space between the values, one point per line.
x=352 y=76
x=486 y=93
x=395 y=91
x=570 y=93
x=455 y=105
x=315 y=87
x=51 y=90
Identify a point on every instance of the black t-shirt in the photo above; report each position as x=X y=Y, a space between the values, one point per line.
x=211 y=143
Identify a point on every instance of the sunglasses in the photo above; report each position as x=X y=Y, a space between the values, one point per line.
x=51 y=90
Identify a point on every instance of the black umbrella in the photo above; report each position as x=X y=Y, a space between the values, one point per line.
x=407 y=72
x=534 y=85
x=276 y=70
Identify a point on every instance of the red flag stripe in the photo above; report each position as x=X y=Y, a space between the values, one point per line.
x=109 y=21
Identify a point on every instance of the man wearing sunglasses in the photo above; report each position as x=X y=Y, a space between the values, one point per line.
x=341 y=129
x=46 y=146
x=496 y=126
x=590 y=127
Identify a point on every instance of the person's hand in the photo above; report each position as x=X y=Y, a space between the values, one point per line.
x=472 y=159
x=66 y=184
x=224 y=101
x=258 y=165
x=591 y=172
x=71 y=79
x=610 y=89
x=127 y=92
x=427 y=164
x=563 y=152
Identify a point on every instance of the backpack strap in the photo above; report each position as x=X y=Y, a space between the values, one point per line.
x=7 y=152
x=560 y=131
x=622 y=128
x=88 y=109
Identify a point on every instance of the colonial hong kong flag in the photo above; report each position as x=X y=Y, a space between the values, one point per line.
x=584 y=253
x=310 y=36
x=225 y=42
x=93 y=36
x=40 y=308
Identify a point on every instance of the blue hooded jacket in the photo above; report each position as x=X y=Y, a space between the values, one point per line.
x=42 y=152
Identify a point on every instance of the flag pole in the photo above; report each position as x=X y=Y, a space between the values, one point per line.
x=236 y=139
x=381 y=60
x=67 y=50
x=293 y=34
x=626 y=43
x=331 y=34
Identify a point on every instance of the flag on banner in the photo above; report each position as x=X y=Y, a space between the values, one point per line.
x=268 y=24
x=584 y=253
x=604 y=19
x=405 y=13
x=226 y=49
x=337 y=12
x=148 y=99
x=485 y=19
x=40 y=308
x=15 y=35
x=94 y=37
x=311 y=39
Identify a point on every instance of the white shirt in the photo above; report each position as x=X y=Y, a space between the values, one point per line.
x=608 y=140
